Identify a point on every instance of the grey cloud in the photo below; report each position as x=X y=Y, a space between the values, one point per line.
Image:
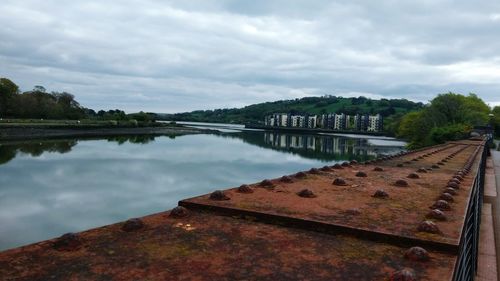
x=185 y=55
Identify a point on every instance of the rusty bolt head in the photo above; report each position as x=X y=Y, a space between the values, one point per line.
x=441 y=205
x=399 y=165
x=407 y=162
x=337 y=166
x=435 y=166
x=436 y=214
x=451 y=191
x=326 y=169
x=380 y=193
x=413 y=176
x=300 y=175
x=306 y=193
x=339 y=181
x=454 y=180
x=429 y=227
x=353 y=162
x=219 y=195
x=440 y=163
x=458 y=177
x=246 y=189
x=446 y=197
x=417 y=254
x=401 y=183
x=286 y=179
x=361 y=174
x=266 y=183
x=422 y=170
x=313 y=171
x=453 y=185
x=414 y=159
x=345 y=164
x=378 y=169
x=132 y=225
x=179 y=212
x=68 y=242
x=405 y=274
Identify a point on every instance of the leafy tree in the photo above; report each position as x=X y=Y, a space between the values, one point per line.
x=8 y=92
x=449 y=116
x=496 y=120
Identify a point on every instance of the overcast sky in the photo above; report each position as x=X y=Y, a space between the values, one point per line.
x=173 y=56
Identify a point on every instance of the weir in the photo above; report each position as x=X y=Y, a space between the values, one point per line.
x=415 y=214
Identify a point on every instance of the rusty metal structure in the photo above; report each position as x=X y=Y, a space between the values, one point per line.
x=410 y=216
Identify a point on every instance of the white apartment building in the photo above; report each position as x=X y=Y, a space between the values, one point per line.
x=297 y=121
x=311 y=121
x=339 y=123
x=374 y=123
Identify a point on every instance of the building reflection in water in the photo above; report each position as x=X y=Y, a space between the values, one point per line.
x=336 y=145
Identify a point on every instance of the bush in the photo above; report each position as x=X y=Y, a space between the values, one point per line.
x=451 y=132
x=133 y=122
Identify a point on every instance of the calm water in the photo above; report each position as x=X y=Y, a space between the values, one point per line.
x=48 y=188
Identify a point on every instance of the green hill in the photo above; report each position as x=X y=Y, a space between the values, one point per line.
x=313 y=105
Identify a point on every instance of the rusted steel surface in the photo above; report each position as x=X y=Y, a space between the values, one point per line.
x=351 y=204
x=202 y=246
x=359 y=221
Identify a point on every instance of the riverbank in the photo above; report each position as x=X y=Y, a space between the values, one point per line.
x=29 y=132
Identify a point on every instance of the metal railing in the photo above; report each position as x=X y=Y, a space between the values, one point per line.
x=466 y=266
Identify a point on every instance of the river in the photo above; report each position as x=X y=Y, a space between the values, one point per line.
x=51 y=187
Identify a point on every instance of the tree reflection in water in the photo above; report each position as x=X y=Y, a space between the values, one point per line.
x=34 y=148
x=9 y=151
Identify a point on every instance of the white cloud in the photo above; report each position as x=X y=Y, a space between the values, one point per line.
x=169 y=56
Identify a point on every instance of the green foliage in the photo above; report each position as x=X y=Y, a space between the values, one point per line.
x=8 y=91
x=37 y=103
x=496 y=121
x=312 y=105
x=450 y=132
x=448 y=117
x=142 y=116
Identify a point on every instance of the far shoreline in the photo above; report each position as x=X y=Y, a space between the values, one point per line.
x=30 y=132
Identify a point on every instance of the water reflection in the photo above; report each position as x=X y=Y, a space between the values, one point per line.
x=34 y=148
x=320 y=147
x=137 y=139
x=9 y=150
x=48 y=188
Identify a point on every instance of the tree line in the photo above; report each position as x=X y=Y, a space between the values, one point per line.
x=40 y=104
x=256 y=113
x=447 y=117
x=37 y=103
